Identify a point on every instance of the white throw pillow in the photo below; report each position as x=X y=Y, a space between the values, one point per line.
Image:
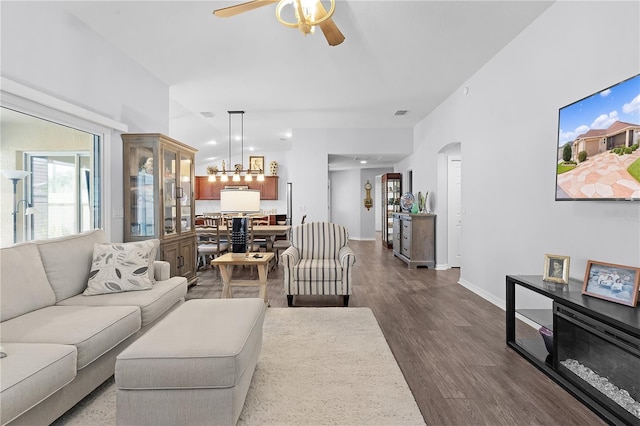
x=122 y=267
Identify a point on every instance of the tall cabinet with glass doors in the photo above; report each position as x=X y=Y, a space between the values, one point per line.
x=159 y=176
x=391 y=184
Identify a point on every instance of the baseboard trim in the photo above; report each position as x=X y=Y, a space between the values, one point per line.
x=480 y=292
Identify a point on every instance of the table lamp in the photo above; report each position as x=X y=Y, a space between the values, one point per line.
x=240 y=201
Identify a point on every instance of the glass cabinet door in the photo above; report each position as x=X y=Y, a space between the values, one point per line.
x=170 y=191
x=142 y=185
x=185 y=192
x=391 y=192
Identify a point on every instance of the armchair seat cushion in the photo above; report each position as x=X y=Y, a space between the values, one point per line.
x=318 y=270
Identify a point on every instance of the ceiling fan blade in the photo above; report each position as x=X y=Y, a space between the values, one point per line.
x=329 y=28
x=331 y=32
x=226 y=12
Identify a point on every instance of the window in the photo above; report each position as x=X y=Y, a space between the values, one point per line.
x=63 y=185
x=61 y=193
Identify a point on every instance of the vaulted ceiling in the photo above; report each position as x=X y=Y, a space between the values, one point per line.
x=398 y=55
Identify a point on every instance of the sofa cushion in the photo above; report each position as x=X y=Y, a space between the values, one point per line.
x=153 y=303
x=30 y=373
x=67 y=261
x=121 y=267
x=23 y=282
x=92 y=330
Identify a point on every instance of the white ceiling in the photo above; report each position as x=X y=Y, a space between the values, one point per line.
x=398 y=55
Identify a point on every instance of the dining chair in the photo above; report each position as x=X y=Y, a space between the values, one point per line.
x=210 y=242
x=281 y=245
x=259 y=220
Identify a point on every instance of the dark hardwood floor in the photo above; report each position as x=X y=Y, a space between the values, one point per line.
x=449 y=343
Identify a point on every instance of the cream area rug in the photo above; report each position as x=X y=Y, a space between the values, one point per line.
x=318 y=366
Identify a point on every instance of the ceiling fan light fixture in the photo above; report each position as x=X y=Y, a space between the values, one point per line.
x=305 y=13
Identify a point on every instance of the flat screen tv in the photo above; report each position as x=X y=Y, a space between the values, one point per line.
x=598 y=136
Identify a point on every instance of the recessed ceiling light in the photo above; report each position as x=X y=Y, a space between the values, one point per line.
x=401 y=112
x=363 y=161
x=207 y=114
x=212 y=142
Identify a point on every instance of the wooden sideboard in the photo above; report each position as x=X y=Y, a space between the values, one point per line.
x=414 y=239
x=206 y=190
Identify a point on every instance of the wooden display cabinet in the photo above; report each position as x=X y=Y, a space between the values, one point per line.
x=159 y=198
x=391 y=184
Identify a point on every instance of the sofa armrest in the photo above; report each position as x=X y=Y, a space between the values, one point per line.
x=346 y=256
x=290 y=256
x=161 y=270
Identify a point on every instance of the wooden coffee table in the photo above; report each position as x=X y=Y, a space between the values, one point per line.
x=228 y=261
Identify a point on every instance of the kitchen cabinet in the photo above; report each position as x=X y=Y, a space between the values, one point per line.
x=206 y=190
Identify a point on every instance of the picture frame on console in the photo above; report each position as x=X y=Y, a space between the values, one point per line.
x=612 y=282
x=556 y=268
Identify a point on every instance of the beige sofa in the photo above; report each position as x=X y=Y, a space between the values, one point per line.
x=60 y=344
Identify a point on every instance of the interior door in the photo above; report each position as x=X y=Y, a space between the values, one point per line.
x=454 y=209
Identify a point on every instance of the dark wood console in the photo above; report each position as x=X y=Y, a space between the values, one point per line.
x=589 y=334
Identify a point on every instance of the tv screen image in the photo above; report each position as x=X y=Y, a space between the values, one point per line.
x=598 y=137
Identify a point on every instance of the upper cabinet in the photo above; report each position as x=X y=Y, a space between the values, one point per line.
x=206 y=190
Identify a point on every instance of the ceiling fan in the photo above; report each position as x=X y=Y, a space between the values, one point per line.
x=308 y=13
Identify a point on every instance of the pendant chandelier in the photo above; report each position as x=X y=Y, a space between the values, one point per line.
x=238 y=173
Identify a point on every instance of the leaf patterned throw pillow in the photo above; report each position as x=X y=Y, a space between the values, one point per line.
x=121 y=267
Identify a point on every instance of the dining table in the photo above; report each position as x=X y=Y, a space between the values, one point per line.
x=269 y=232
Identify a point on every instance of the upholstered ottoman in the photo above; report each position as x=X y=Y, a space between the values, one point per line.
x=194 y=367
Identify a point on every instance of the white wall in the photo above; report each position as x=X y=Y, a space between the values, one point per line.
x=309 y=161
x=347 y=201
x=368 y=217
x=345 y=205
x=507 y=126
x=45 y=48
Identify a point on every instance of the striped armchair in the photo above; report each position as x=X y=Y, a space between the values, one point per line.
x=319 y=261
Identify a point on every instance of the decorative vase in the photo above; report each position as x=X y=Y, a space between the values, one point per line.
x=420 y=202
x=273 y=168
